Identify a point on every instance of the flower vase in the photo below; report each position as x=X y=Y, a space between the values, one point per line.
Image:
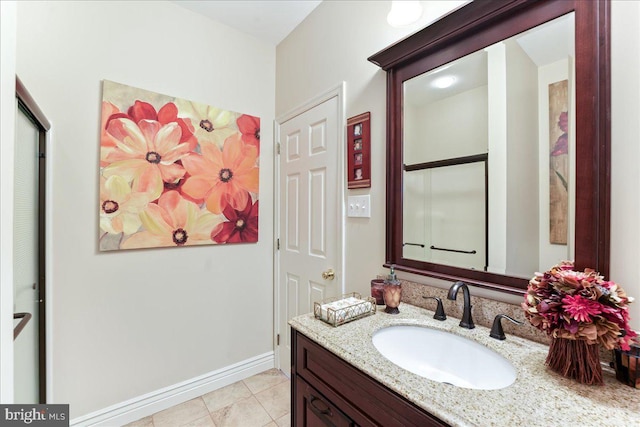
x=575 y=359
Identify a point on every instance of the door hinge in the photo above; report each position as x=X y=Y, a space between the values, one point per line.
x=277 y=244
x=278 y=339
x=278 y=148
x=41 y=155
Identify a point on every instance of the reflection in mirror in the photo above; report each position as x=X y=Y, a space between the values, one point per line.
x=489 y=156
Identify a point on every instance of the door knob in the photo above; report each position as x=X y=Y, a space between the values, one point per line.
x=329 y=274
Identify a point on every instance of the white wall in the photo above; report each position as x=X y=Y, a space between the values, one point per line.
x=331 y=46
x=7 y=136
x=132 y=322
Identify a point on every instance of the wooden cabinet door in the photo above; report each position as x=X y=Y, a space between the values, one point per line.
x=314 y=410
x=362 y=400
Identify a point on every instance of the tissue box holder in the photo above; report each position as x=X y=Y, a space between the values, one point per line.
x=339 y=315
x=627 y=366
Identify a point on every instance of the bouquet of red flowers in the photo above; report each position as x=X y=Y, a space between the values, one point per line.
x=579 y=306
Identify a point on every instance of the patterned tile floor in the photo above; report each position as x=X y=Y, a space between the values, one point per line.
x=262 y=400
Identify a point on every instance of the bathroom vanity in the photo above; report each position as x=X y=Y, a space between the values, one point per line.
x=329 y=391
x=339 y=378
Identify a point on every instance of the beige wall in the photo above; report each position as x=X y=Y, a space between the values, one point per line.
x=522 y=153
x=129 y=323
x=464 y=113
x=7 y=122
x=333 y=44
x=132 y=322
x=625 y=150
x=330 y=46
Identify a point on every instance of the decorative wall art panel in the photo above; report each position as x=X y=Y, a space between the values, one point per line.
x=175 y=172
x=558 y=162
x=359 y=151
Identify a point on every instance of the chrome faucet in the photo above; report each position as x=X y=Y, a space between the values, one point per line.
x=467 y=321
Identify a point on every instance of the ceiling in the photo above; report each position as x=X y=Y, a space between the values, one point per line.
x=267 y=20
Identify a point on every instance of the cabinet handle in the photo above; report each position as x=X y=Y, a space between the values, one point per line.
x=324 y=409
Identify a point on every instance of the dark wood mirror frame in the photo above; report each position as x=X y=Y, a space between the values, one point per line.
x=473 y=27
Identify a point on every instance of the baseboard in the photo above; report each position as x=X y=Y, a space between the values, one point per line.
x=150 y=403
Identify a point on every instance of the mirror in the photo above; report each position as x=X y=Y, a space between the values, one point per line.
x=488 y=146
x=470 y=195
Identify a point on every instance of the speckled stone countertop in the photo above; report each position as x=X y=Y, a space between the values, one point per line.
x=538 y=397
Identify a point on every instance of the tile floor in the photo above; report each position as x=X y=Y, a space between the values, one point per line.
x=262 y=400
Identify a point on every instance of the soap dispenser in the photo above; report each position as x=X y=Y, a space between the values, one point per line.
x=392 y=292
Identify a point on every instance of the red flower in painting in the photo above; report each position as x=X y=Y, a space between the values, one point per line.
x=561 y=146
x=563 y=122
x=250 y=128
x=241 y=227
x=562 y=143
x=168 y=114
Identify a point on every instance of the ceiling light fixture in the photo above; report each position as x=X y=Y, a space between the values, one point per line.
x=404 y=13
x=443 y=82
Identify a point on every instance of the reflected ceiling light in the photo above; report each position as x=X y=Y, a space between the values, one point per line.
x=404 y=13
x=443 y=82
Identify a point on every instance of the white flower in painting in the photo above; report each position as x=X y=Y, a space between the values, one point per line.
x=211 y=124
x=119 y=206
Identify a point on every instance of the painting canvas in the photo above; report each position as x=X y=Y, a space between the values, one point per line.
x=175 y=173
x=558 y=162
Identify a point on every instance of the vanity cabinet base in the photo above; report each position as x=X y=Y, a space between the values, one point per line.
x=327 y=391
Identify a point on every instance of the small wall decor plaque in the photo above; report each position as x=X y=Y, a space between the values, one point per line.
x=359 y=151
x=175 y=172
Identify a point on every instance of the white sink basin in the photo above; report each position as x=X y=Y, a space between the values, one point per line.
x=444 y=357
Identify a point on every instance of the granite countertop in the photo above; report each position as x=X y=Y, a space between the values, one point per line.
x=538 y=397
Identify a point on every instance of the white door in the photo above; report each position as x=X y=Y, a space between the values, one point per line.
x=310 y=222
x=26 y=297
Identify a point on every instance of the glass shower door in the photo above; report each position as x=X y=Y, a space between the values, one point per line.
x=25 y=263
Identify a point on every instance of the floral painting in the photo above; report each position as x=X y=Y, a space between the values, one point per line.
x=558 y=162
x=175 y=172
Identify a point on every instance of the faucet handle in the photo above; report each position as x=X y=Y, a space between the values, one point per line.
x=496 y=330
x=439 y=309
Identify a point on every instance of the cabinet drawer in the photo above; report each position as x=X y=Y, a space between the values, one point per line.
x=360 y=397
x=314 y=410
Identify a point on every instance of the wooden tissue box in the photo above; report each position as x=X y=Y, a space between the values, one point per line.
x=627 y=365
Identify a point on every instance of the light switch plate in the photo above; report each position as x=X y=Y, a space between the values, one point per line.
x=359 y=206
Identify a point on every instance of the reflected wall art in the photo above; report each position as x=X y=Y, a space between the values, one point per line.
x=175 y=172
x=558 y=162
